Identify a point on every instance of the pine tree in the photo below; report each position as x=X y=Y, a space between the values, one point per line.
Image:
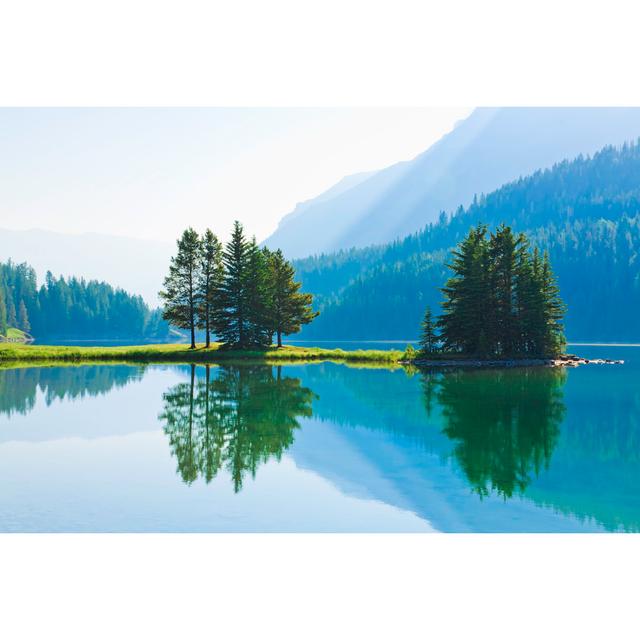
x=289 y=309
x=23 y=318
x=553 y=310
x=526 y=298
x=12 y=319
x=3 y=315
x=257 y=291
x=209 y=283
x=502 y=332
x=466 y=307
x=232 y=321
x=180 y=286
x=428 y=339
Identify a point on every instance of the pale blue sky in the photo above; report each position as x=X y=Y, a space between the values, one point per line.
x=149 y=172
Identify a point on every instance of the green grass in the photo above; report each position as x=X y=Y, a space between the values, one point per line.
x=15 y=334
x=24 y=353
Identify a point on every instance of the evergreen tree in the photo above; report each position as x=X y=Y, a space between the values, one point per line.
x=428 y=339
x=289 y=308
x=12 y=319
x=553 y=310
x=467 y=296
x=232 y=322
x=209 y=283
x=23 y=318
x=257 y=292
x=180 y=286
x=501 y=330
x=3 y=315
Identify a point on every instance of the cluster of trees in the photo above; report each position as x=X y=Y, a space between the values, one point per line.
x=240 y=293
x=72 y=308
x=236 y=419
x=501 y=301
x=585 y=214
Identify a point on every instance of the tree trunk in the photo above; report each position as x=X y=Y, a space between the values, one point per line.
x=279 y=338
x=193 y=334
x=208 y=329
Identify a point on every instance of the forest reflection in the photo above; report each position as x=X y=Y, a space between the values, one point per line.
x=233 y=417
x=19 y=387
x=505 y=423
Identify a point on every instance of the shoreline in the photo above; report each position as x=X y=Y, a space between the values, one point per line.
x=167 y=353
x=509 y=363
x=12 y=353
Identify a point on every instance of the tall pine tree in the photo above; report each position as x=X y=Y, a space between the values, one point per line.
x=464 y=322
x=3 y=315
x=209 y=284
x=180 y=286
x=502 y=331
x=23 y=318
x=553 y=310
x=257 y=290
x=289 y=308
x=232 y=322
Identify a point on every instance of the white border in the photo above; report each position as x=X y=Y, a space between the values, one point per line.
x=405 y=53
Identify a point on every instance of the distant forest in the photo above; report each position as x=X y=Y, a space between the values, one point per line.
x=73 y=308
x=585 y=213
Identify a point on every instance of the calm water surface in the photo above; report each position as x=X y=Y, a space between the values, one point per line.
x=321 y=447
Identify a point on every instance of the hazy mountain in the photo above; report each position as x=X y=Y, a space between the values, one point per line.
x=137 y=266
x=585 y=213
x=486 y=150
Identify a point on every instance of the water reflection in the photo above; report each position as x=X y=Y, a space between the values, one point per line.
x=505 y=424
x=19 y=387
x=236 y=418
x=430 y=443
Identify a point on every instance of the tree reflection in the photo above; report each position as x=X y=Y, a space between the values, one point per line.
x=505 y=423
x=237 y=418
x=19 y=386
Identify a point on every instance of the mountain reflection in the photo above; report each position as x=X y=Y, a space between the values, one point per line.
x=505 y=424
x=235 y=417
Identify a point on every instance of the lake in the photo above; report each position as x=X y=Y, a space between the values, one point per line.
x=321 y=447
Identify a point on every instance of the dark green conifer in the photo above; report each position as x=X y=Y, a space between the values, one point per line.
x=209 y=284
x=233 y=322
x=3 y=315
x=501 y=332
x=12 y=318
x=467 y=295
x=428 y=338
x=23 y=318
x=553 y=310
x=289 y=309
x=257 y=291
x=180 y=286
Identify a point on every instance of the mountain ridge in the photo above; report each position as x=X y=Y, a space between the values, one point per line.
x=492 y=147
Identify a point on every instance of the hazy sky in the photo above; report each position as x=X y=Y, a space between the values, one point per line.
x=151 y=172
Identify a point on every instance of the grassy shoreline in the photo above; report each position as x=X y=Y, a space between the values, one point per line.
x=22 y=353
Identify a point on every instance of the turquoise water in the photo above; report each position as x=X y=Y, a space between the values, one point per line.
x=321 y=447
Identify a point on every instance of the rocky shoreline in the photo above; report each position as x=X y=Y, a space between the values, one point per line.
x=561 y=361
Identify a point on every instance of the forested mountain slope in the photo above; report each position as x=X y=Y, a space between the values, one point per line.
x=73 y=308
x=585 y=212
x=128 y=263
x=484 y=151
